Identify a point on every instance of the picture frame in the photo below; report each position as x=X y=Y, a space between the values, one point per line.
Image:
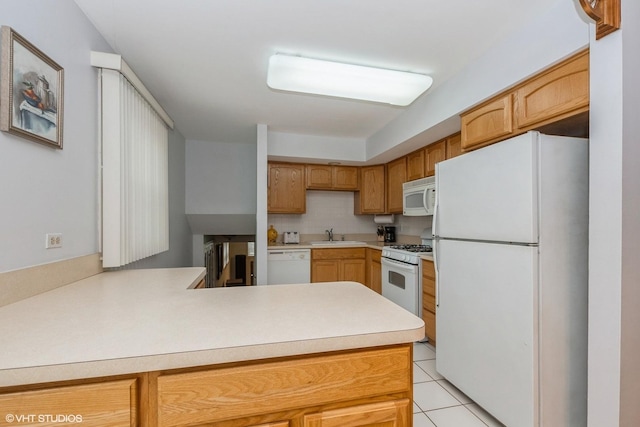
x=31 y=91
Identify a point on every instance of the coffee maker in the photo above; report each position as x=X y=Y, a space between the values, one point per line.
x=389 y=234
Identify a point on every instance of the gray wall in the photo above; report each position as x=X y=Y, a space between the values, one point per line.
x=45 y=190
x=221 y=187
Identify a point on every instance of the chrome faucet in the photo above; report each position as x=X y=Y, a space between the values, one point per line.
x=330 y=234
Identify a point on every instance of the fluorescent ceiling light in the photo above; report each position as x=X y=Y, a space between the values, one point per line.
x=297 y=74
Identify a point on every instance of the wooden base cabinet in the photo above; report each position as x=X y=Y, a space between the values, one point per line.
x=429 y=300
x=104 y=404
x=335 y=265
x=358 y=387
x=370 y=387
x=374 y=270
x=392 y=413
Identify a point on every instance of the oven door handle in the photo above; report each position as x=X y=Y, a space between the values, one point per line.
x=398 y=264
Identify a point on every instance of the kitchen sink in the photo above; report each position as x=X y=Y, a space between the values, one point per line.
x=336 y=242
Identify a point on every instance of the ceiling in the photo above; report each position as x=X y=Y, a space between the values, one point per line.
x=205 y=61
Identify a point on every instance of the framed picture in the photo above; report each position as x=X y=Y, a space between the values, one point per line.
x=31 y=91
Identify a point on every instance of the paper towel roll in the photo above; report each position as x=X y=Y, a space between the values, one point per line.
x=383 y=219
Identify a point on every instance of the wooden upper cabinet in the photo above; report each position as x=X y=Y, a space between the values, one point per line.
x=345 y=177
x=487 y=122
x=555 y=94
x=396 y=176
x=555 y=101
x=286 y=188
x=371 y=197
x=454 y=145
x=326 y=177
x=415 y=165
x=319 y=177
x=433 y=154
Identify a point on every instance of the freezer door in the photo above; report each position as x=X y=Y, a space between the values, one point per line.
x=491 y=193
x=487 y=324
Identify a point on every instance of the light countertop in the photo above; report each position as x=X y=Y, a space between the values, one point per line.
x=338 y=244
x=306 y=245
x=144 y=320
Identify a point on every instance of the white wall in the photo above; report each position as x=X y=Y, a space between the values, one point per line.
x=325 y=210
x=334 y=209
x=261 y=202
x=614 y=235
x=313 y=147
x=554 y=36
x=220 y=177
x=45 y=190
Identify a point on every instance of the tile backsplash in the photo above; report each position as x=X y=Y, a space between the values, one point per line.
x=334 y=209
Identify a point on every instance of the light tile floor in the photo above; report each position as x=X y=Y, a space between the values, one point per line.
x=438 y=403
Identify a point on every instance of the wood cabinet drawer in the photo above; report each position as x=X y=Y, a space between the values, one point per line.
x=236 y=392
x=391 y=413
x=338 y=253
x=428 y=285
x=106 y=404
x=428 y=278
x=429 y=302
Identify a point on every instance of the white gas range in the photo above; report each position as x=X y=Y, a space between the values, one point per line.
x=402 y=275
x=406 y=253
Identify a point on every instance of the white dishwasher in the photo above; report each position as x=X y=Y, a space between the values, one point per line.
x=288 y=266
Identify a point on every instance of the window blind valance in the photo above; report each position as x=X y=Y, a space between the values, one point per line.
x=134 y=156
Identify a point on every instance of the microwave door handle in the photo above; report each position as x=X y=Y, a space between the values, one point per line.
x=425 y=199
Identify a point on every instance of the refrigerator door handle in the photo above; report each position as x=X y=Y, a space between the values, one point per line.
x=435 y=207
x=435 y=265
x=436 y=238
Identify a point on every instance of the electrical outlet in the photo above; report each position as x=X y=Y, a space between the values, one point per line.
x=54 y=240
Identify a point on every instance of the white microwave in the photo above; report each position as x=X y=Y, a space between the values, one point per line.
x=419 y=197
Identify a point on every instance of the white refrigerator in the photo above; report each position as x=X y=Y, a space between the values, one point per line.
x=511 y=236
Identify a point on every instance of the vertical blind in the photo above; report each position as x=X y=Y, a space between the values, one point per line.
x=135 y=208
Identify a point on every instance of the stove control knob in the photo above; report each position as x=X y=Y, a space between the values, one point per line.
x=405 y=257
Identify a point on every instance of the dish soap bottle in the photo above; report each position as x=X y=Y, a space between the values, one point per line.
x=272 y=234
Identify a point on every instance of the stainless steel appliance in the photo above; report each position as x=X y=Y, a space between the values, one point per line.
x=511 y=251
x=402 y=275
